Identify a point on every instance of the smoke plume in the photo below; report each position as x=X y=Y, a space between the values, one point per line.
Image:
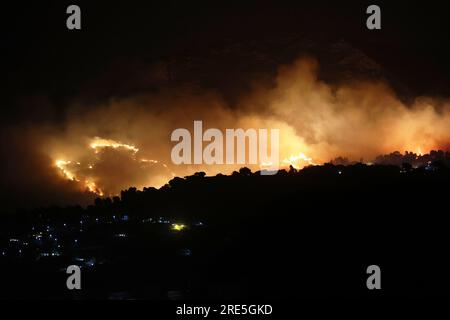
x=104 y=148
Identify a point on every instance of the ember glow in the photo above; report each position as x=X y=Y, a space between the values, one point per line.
x=68 y=173
x=99 y=143
x=92 y=187
x=298 y=161
x=61 y=164
x=178 y=227
x=89 y=175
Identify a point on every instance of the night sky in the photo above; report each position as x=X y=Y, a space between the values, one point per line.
x=43 y=60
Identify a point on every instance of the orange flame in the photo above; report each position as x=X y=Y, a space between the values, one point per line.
x=298 y=161
x=99 y=143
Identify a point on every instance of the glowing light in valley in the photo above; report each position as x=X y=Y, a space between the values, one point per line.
x=178 y=227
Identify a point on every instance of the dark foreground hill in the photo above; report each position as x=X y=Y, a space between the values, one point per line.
x=310 y=233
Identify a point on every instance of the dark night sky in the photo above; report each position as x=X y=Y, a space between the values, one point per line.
x=119 y=42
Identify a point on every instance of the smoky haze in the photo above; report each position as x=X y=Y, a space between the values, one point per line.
x=356 y=119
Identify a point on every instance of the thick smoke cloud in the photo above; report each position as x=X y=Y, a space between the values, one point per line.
x=322 y=121
x=356 y=119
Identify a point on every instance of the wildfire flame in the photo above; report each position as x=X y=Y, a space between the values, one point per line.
x=92 y=187
x=298 y=161
x=99 y=143
x=85 y=173
x=62 y=165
